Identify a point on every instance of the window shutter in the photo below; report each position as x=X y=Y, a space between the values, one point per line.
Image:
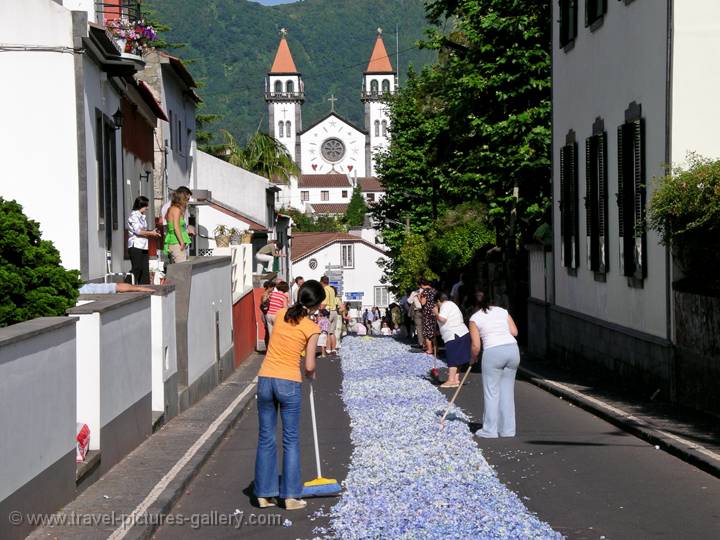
x=572 y=19
x=639 y=199
x=589 y=198
x=564 y=200
x=602 y=188
x=574 y=204
x=620 y=198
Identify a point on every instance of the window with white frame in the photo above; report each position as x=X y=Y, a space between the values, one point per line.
x=348 y=258
x=304 y=196
x=381 y=296
x=324 y=195
x=344 y=194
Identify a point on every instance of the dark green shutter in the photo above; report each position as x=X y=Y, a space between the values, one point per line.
x=602 y=207
x=638 y=199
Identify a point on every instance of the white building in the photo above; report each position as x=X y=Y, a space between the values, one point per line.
x=633 y=90
x=62 y=158
x=332 y=145
x=349 y=261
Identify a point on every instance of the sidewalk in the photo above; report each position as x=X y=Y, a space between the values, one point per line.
x=134 y=496
x=691 y=436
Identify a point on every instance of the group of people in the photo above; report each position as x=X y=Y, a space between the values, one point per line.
x=177 y=233
x=376 y=323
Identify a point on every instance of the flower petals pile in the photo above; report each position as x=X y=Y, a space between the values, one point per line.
x=406 y=478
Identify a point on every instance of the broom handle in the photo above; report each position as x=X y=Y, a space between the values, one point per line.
x=456 y=394
x=315 y=435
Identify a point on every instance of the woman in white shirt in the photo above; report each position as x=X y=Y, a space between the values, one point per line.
x=456 y=337
x=138 y=241
x=494 y=329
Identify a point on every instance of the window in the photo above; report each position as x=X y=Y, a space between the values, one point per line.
x=569 y=203
x=370 y=197
x=281 y=129
x=106 y=168
x=180 y=146
x=377 y=128
x=324 y=195
x=596 y=199
x=290 y=87
x=374 y=86
x=304 y=196
x=384 y=128
x=381 y=296
x=348 y=261
x=386 y=86
x=278 y=87
x=631 y=195
x=288 y=133
x=172 y=132
x=344 y=194
x=568 y=22
x=594 y=11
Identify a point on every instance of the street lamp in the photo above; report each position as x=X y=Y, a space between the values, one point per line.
x=118 y=119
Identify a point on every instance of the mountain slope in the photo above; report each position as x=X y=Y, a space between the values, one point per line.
x=231 y=45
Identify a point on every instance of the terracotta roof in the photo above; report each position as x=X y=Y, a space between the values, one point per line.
x=153 y=102
x=379 y=59
x=180 y=69
x=329 y=208
x=305 y=244
x=323 y=180
x=204 y=197
x=370 y=183
x=283 y=59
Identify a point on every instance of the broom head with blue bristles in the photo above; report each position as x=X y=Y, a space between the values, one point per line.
x=321 y=487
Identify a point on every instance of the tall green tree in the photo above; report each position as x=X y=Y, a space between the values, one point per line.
x=264 y=155
x=356 y=210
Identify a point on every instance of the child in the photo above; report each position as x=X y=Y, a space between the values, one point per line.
x=385 y=329
x=324 y=324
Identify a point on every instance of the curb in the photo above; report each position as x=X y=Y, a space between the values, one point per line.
x=688 y=451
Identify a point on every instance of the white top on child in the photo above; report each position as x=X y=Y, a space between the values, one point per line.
x=493 y=326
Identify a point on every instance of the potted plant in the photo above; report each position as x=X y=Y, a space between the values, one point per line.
x=133 y=37
x=246 y=237
x=234 y=236
x=222 y=236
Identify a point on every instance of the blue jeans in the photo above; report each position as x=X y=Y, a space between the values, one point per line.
x=499 y=366
x=274 y=394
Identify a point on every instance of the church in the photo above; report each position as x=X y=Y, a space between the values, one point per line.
x=334 y=155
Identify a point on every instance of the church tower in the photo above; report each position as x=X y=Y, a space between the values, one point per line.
x=379 y=80
x=284 y=94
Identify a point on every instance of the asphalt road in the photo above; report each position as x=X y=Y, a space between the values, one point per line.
x=577 y=472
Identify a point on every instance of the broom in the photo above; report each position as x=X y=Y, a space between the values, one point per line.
x=455 y=395
x=320 y=487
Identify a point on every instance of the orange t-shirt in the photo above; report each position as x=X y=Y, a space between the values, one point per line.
x=287 y=343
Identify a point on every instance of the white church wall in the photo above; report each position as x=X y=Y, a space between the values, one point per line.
x=352 y=162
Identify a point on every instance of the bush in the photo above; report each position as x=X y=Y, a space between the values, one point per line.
x=32 y=281
x=685 y=210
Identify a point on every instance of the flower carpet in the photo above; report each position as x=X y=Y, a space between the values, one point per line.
x=407 y=478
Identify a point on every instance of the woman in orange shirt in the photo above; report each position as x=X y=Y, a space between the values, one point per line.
x=280 y=388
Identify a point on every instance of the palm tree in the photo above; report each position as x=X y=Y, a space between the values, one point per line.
x=263 y=155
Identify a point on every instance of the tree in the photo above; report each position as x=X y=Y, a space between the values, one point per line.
x=356 y=210
x=308 y=223
x=263 y=155
x=33 y=283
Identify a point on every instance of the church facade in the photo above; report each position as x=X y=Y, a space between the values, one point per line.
x=332 y=147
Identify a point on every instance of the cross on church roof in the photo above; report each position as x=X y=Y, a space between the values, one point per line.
x=332 y=99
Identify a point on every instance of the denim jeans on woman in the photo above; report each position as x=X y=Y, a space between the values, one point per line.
x=499 y=367
x=285 y=396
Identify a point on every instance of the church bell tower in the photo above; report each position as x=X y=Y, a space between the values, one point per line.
x=379 y=80
x=284 y=94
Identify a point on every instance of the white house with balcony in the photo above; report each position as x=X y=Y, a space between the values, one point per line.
x=634 y=89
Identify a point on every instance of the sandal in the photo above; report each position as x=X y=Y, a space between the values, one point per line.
x=446 y=385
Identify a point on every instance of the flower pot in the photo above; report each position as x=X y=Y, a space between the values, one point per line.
x=222 y=240
x=246 y=238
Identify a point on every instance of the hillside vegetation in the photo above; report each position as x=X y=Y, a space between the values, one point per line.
x=230 y=45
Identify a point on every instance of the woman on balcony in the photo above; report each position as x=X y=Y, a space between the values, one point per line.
x=177 y=239
x=138 y=241
x=279 y=389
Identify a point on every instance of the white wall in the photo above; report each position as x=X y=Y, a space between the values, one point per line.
x=234 y=186
x=37 y=405
x=208 y=218
x=38 y=140
x=81 y=5
x=210 y=292
x=621 y=62
x=179 y=160
x=696 y=79
x=315 y=194
x=365 y=275
x=353 y=162
x=164 y=346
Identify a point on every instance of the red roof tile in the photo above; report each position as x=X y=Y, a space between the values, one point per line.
x=370 y=183
x=284 y=62
x=305 y=244
x=379 y=59
x=323 y=180
x=329 y=208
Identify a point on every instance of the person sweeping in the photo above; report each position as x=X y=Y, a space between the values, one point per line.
x=280 y=390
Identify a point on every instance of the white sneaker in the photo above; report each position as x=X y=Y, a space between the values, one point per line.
x=295 y=504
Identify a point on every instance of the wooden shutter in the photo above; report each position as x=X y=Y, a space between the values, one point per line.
x=602 y=207
x=575 y=204
x=620 y=197
x=638 y=187
x=569 y=214
x=590 y=172
x=564 y=201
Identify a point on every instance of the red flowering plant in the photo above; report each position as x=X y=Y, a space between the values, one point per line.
x=135 y=37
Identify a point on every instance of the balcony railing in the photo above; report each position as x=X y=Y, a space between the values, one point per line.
x=287 y=96
x=370 y=95
x=109 y=10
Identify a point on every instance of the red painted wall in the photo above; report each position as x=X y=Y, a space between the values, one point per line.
x=244 y=327
x=258 y=314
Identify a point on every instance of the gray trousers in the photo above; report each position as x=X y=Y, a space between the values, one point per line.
x=499 y=366
x=417 y=319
